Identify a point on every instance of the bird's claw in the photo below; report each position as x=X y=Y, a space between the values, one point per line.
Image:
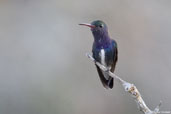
x=107 y=70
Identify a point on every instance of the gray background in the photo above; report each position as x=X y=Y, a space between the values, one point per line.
x=43 y=67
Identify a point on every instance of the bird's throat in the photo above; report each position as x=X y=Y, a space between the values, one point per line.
x=102 y=41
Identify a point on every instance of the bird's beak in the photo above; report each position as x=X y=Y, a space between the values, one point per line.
x=88 y=25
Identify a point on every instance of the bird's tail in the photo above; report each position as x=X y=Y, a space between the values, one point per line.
x=106 y=80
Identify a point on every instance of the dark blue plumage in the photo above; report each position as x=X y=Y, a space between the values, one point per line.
x=104 y=51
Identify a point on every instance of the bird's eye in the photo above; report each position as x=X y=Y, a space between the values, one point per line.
x=100 y=26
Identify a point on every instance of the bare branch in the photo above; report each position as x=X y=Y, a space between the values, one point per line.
x=130 y=88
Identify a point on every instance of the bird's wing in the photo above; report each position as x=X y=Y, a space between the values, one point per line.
x=115 y=55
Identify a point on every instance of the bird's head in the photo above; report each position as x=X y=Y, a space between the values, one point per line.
x=98 y=28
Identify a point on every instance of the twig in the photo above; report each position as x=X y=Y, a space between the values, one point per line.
x=130 y=88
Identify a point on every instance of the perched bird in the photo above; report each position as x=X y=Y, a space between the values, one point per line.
x=104 y=51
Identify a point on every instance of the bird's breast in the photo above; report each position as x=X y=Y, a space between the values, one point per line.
x=104 y=55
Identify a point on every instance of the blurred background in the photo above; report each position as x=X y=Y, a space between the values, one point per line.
x=43 y=67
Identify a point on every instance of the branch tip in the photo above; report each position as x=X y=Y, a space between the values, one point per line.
x=158 y=107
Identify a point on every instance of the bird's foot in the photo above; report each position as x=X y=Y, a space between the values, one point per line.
x=107 y=70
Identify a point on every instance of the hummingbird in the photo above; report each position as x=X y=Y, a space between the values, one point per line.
x=104 y=51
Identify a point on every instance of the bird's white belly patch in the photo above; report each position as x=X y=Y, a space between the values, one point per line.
x=102 y=55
